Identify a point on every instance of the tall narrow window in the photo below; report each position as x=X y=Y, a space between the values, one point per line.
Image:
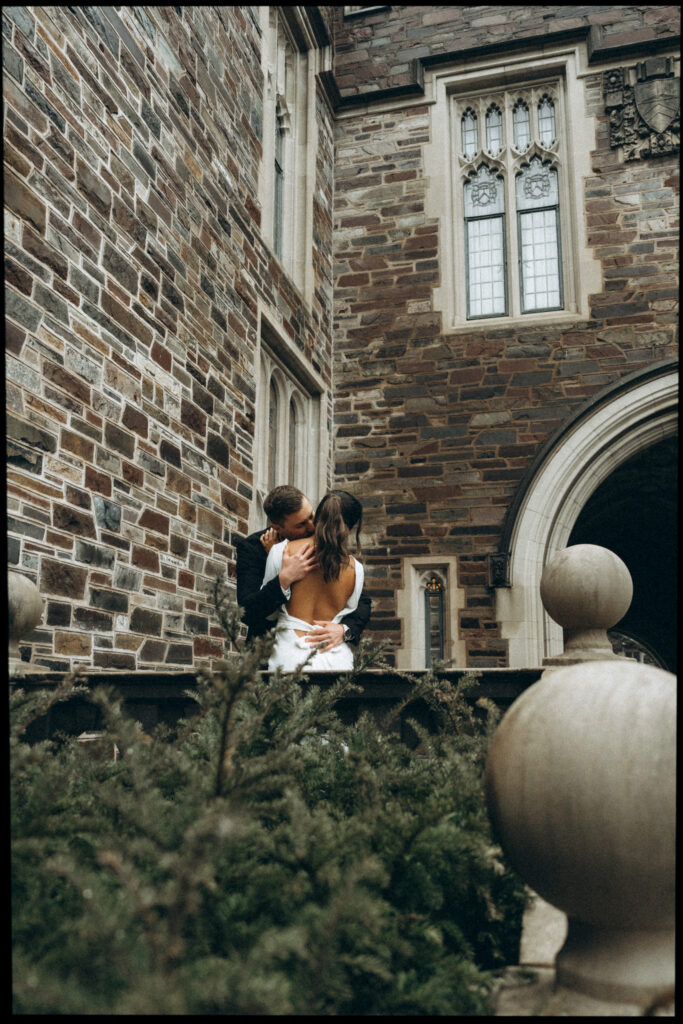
x=485 y=244
x=272 y=435
x=494 y=131
x=546 y=121
x=520 y=126
x=293 y=453
x=539 y=237
x=468 y=127
x=278 y=207
x=434 y=620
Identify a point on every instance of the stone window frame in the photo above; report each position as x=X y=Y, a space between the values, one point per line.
x=279 y=363
x=290 y=62
x=410 y=608
x=488 y=80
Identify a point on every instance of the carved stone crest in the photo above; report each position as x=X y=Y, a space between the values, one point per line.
x=643 y=104
x=658 y=101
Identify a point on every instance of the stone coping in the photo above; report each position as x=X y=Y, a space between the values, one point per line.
x=502 y=685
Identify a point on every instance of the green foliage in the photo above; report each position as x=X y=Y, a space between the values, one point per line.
x=267 y=859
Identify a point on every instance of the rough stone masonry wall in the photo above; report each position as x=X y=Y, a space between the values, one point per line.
x=133 y=268
x=435 y=431
x=374 y=51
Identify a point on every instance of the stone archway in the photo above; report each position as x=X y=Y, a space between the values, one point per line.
x=633 y=415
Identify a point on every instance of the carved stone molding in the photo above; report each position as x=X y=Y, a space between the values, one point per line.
x=643 y=103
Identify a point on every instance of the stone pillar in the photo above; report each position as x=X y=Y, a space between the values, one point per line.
x=580 y=783
x=25 y=611
x=587 y=589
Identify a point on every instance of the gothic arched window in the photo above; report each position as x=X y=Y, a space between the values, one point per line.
x=273 y=410
x=511 y=202
x=520 y=126
x=546 y=121
x=434 y=619
x=494 y=131
x=293 y=443
x=468 y=127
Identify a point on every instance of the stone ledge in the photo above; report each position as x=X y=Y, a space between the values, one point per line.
x=532 y=992
x=153 y=697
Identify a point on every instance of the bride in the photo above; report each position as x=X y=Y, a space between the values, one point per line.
x=328 y=593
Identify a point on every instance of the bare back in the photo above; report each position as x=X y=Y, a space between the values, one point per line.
x=315 y=600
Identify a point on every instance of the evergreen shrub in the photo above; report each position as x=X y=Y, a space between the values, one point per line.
x=266 y=859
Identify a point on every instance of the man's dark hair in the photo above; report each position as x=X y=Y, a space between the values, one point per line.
x=281 y=502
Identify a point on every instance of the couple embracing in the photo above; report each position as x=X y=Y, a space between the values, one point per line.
x=299 y=577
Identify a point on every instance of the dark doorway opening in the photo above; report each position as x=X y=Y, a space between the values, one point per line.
x=634 y=513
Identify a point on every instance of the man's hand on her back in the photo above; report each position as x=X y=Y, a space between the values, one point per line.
x=296 y=565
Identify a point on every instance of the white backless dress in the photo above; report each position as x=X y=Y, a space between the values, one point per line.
x=291 y=650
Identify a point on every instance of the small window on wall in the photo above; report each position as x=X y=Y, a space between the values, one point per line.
x=434 y=597
x=287 y=443
x=427 y=604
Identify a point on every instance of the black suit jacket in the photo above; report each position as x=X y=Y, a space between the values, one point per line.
x=259 y=603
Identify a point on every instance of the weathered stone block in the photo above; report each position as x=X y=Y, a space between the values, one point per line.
x=73 y=521
x=58 y=613
x=119 y=440
x=179 y=654
x=143 y=620
x=110 y=600
x=76 y=644
x=91 y=619
x=94 y=555
x=93 y=188
x=152 y=520
x=63 y=578
x=107 y=513
x=135 y=420
x=33 y=436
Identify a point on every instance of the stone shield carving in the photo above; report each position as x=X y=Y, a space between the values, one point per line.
x=643 y=103
x=658 y=101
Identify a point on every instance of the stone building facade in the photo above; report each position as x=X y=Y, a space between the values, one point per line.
x=239 y=251
x=476 y=435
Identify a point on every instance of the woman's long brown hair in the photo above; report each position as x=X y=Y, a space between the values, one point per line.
x=335 y=516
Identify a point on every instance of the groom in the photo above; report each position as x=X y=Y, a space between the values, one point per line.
x=290 y=516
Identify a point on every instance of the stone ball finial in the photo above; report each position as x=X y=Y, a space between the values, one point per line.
x=25 y=610
x=587 y=589
x=581 y=789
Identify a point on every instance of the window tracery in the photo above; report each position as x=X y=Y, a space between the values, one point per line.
x=510 y=198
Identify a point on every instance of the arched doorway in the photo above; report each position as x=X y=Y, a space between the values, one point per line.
x=633 y=513
x=621 y=423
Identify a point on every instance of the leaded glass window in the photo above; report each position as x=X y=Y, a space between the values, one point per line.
x=494 y=131
x=293 y=452
x=273 y=404
x=510 y=162
x=278 y=210
x=468 y=126
x=520 y=126
x=434 y=619
x=485 y=244
x=546 y=121
x=539 y=237
x=288 y=450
